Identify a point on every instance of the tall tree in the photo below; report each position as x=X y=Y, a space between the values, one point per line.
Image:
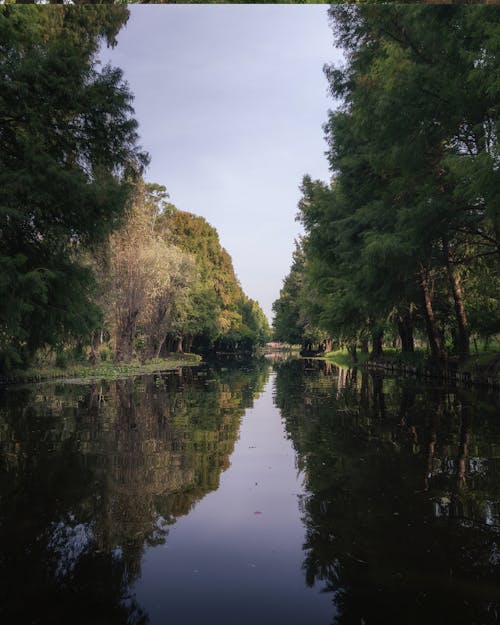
x=68 y=152
x=144 y=279
x=220 y=316
x=419 y=87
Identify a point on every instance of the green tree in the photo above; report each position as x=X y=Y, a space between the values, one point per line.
x=68 y=151
x=288 y=325
x=410 y=220
x=218 y=315
x=421 y=92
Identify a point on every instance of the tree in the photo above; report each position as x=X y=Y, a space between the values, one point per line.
x=218 y=314
x=410 y=215
x=144 y=278
x=289 y=326
x=420 y=90
x=68 y=153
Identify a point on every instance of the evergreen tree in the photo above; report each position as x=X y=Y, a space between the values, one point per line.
x=68 y=152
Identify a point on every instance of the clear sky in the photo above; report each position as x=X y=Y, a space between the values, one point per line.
x=230 y=101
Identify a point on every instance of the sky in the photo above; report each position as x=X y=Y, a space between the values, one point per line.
x=231 y=100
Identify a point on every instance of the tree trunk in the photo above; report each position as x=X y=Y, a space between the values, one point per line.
x=405 y=329
x=458 y=300
x=179 y=345
x=364 y=344
x=161 y=342
x=377 y=349
x=126 y=337
x=150 y=350
x=351 y=348
x=94 y=344
x=435 y=342
x=189 y=343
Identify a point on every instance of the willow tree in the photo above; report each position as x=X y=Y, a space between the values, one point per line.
x=143 y=278
x=68 y=151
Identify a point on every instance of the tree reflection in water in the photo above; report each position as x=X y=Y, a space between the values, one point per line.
x=402 y=507
x=91 y=474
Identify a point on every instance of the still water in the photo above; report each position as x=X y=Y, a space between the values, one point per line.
x=248 y=493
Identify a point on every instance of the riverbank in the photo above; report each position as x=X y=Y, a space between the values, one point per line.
x=479 y=369
x=103 y=371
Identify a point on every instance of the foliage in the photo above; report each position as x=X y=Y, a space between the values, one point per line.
x=68 y=153
x=218 y=314
x=143 y=276
x=104 y=370
x=408 y=230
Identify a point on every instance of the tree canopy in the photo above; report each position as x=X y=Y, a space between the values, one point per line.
x=68 y=156
x=90 y=254
x=408 y=229
x=219 y=316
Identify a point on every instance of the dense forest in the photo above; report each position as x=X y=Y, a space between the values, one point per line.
x=94 y=261
x=402 y=246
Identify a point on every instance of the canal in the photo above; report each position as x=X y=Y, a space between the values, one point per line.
x=286 y=493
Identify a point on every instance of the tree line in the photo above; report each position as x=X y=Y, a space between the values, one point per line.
x=90 y=252
x=404 y=242
x=167 y=285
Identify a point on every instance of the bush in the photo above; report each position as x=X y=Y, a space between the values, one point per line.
x=105 y=353
x=61 y=359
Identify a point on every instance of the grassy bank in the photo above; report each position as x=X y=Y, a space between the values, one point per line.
x=342 y=358
x=104 y=370
x=482 y=368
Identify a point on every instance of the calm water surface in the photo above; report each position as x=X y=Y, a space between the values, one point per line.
x=299 y=494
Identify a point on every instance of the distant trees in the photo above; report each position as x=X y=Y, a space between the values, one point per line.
x=166 y=285
x=68 y=156
x=218 y=315
x=142 y=278
x=406 y=236
x=291 y=323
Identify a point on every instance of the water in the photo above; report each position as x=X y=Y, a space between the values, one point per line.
x=245 y=493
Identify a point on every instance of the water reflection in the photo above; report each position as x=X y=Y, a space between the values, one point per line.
x=91 y=475
x=397 y=486
x=402 y=503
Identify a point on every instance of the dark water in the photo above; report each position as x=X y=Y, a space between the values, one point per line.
x=247 y=494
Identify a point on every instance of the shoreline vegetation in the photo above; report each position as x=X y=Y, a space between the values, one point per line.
x=401 y=245
x=479 y=369
x=86 y=372
x=94 y=258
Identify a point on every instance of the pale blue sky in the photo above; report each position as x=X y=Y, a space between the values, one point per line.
x=230 y=101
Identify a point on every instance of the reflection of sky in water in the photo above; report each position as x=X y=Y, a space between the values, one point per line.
x=68 y=542
x=166 y=499
x=241 y=546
